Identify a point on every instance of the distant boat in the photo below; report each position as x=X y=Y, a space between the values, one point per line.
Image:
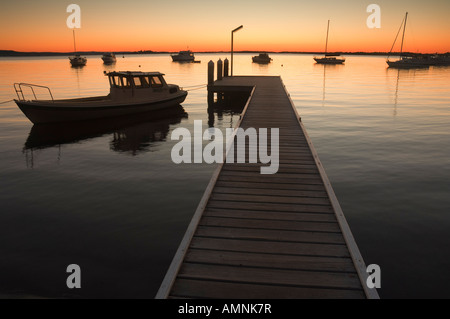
x=130 y=93
x=329 y=58
x=109 y=58
x=262 y=58
x=407 y=61
x=76 y=60
x=183 y=56
x=440 y=60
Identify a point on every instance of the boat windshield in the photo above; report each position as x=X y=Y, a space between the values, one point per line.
x=156 y=82
x=120 y=82
x=139 y=82
x=147 y=81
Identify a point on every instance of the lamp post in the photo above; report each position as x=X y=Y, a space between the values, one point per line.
x=232 y=32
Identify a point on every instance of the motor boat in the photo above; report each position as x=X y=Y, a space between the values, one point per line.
x=262 y=58
x=183 y=56
x=131 y=92
x=109 y=58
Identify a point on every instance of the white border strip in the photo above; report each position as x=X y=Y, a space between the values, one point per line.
x=345 y=228
x=177 y=261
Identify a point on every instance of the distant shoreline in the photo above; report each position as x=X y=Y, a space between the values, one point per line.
x=12 y=53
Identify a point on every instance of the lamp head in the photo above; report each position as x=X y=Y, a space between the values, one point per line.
x=238 y=28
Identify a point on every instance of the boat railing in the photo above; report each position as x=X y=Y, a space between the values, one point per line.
x=21 y=95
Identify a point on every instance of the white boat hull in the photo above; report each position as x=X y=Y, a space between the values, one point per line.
x=87 y=109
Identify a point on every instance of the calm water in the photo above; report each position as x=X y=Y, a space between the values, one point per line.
x=109 y=198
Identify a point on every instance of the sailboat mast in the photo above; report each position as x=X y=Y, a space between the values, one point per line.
x=326 y=43
x=403 y=36
x=74 y=44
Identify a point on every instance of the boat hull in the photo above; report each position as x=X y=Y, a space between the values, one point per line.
x=108 y=60
x=40 y=112
x=76 y=64
x=406 y=65
x=261 y=61
x=176 y=58
x=78 y=61
x=329 y=61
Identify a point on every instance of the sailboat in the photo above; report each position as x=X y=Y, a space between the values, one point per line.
x=76 y=60
x=329 y=58
x=406 y=61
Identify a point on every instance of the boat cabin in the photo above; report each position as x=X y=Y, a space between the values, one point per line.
x=188 y=53
x=262 y=58
x=137 y=85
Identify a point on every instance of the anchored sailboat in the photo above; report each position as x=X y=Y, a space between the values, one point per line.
x=406 y=61
x=76 y=60
x=329 y=58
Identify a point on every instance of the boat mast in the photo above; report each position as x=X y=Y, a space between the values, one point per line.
x=326 y=43
x=403 y=36
x=74 y=44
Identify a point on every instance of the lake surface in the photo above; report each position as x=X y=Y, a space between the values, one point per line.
x=110 y=199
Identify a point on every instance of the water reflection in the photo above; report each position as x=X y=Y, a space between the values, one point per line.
x=231 y=104
x=261 y=68
x=77 y=70
x=109 y=67
x=396 y=93
x=329 y=67
x=130 y=135
x=403 y=73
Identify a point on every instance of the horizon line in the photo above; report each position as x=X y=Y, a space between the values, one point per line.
x=13 y=52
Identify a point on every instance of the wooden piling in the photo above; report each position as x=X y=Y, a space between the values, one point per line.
x=225 y=67
x=210 y=72
x=219 y=70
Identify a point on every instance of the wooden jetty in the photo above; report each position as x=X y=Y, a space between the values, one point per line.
x=268 y=236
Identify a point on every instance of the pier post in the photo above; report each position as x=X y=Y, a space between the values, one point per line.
x=210 y=73
x=210 y=109
x=225 y=68
x=219 y=69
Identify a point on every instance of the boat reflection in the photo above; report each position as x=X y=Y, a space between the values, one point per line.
x=329 y=68
x=398 y=74
x=130 y=135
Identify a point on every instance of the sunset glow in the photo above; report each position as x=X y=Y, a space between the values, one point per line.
x=199 y=25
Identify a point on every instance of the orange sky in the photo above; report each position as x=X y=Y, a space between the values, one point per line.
x=205 y=25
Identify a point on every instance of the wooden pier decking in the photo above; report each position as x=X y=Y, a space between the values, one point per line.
x=268 y=236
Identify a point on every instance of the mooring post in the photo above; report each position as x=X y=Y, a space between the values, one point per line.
x=210 y=73
x=225 y=68
x=219 y=69
x=210 y=109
